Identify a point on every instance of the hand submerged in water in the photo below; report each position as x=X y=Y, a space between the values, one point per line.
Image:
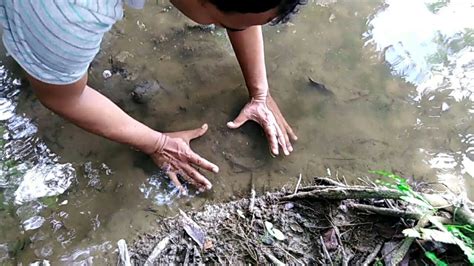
x=174 y=155
x=265 y=112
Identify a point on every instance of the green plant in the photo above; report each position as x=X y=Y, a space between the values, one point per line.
x=459 y=235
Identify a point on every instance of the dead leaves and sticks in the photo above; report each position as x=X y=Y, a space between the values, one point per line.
x=304 y=226
x=439 y=216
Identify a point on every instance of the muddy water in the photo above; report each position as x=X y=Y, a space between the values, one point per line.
x=399 y=96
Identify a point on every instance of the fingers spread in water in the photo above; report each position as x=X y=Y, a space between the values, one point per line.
x=282 y=139
x=271 y=133
x=189 y=135
x=174 y=178
x=196 y=176
x=197 y=160
x=291 y=132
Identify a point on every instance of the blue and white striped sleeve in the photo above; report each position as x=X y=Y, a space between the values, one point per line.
x=56 y=40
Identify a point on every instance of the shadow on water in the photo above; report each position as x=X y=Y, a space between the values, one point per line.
x=367 y=85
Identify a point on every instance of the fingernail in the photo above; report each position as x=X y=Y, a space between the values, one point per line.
x=290 y=149
x=286 y=153
x=208 y=187
x=204 y=126
x=215 y=170
x=229 y=124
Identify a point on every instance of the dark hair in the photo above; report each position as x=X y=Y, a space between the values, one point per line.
x=285 y=7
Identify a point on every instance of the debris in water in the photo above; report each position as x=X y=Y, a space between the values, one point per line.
x=145 y=90
x=276 y=233
x=33 y=223
x=124 y=257
x=157 y=251
x=40 y=263
x=289 y=205
x=107 y=74
x=444 y=107
x=193 y=229
x=241 y=214
x=320 y=87
x=208 y=245
x=296 y=227
x=252 y=200
x=330 y=239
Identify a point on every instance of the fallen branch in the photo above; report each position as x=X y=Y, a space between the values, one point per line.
x=273 y=259
x=385 y=211
x=298 y=184
x=252 y=200
x=157 y=251
x=342 y=193
x=372 y=255
x=460 y=214
x=325 y=250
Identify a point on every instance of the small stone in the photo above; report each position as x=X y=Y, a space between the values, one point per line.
x=107 y=74
x=144 y=91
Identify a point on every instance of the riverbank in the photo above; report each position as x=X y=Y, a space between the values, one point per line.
x=328 y=223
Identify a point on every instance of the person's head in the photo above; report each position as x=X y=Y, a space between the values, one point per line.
x=241 y=14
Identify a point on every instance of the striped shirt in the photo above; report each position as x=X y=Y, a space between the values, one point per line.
x=56 y=40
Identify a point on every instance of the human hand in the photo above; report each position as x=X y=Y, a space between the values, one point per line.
x=174 y=155
x=265 y=112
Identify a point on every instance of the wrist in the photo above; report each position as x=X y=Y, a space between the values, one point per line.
x=156 y=144
x=258 y=93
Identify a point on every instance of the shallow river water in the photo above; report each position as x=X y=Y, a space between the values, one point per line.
x=399 y=79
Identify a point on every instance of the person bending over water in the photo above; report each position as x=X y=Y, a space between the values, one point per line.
x=55 y=41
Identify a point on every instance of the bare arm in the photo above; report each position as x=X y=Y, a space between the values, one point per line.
x=249 y=50
x=95 y=113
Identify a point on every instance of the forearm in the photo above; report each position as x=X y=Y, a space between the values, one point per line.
x=249 y=50
x=95 y=113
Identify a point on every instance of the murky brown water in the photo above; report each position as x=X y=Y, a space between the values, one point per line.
x=386 y=110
